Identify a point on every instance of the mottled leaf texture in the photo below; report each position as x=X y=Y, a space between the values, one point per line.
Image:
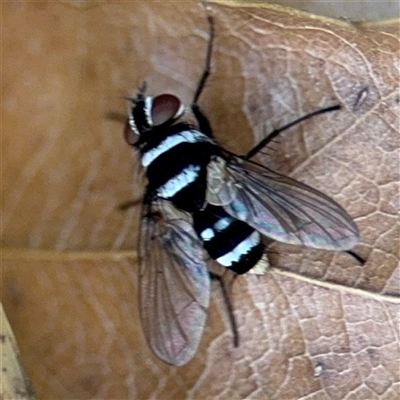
x=317 y=325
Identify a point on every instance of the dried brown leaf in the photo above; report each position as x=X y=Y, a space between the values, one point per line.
x=322 y=327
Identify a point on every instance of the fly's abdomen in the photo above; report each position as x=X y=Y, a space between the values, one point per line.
x=230 y=242
x=177 y=166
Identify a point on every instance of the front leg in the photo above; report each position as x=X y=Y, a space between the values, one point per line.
x=207 y=69
x=202 y=120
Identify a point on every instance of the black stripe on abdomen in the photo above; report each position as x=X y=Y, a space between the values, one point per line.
x=230 y=242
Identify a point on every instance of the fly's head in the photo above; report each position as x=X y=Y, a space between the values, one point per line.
x=148 y=113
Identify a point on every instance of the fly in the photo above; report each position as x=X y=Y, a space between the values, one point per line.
x=204 y=200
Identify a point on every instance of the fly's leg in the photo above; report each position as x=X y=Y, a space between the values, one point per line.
x=264 y=142
x=228 y=305
x=130 y=203
x=356 y=256
x=202 y=120
x=207 y=67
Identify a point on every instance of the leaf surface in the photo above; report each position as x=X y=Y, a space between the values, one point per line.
x=318 y=325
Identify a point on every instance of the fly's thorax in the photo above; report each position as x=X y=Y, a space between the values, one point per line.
x=179 y=139
x=175 y=158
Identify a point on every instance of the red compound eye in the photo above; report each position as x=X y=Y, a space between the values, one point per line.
x=129 y=136
x=165 y=107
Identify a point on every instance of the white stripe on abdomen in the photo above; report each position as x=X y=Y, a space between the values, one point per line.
x=207 y=234
x=241 y=249
x=219 y=226
x=178 y=182
x=223 y=223
x=170 y=142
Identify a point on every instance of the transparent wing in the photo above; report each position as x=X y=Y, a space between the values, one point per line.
x=174 y=284
x=286 y=210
